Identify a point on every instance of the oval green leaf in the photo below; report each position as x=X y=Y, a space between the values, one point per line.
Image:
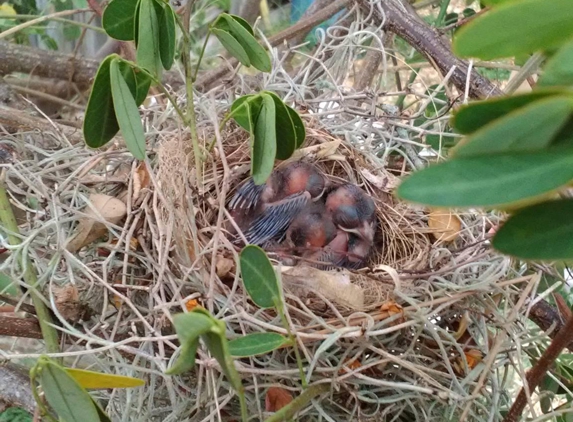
x=118 y=19
x=232 y=46
x=257 y=54
x=127 y=113
x=285 y=130
x=489 y=181
x=95 y=380
x=559 y=69
x=241 y=113
x=299 y=128
x=475 y=115
x=188 y=328
x=218 y=346
x=243 y=22
x=527 y=129
x=516 y=27
x=137 y=81
x=70 y=401
x=148 y=51
x=264 y=148
x=166 y=18
x=7 y=286
x=256 y=344
x=100 y=123
x=259 y=277
x=540 y=232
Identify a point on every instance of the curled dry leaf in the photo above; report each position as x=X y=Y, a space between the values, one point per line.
x=391 y=308
x=276 y=399
x=68 y=303
x=335 y=286
x=89 y=228
x=378 y=181
x=444 y=225
x=350 y=365
x=191 y=304
x=224 y=266
x=473 y=357
x=141 y=180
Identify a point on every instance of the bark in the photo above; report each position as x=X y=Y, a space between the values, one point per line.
x=405 y=23
x=15 y=387
x=20 y=327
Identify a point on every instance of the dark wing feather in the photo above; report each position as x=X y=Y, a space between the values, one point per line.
x=247 y=196
x=275 y=219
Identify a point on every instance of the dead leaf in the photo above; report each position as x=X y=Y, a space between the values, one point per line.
x=473 y=357
x=335 y=286
x=68 y=303
x=350 y=365
x=191 y=304
x=391 y=308
x=141 y=180
x=89 y=229
x=445 y=226
x=224 y=266
x=276 y=399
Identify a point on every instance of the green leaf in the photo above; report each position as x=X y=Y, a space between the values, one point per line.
x=516 y=27
x=118 y=19
x=127 y=113
x=474 y=116
x=538 y=232
x=241 y=116
x=444 y=141
x=15 y=414
x=527 y=129
x=92 y=380
x=148 y=55
x=70 y=401
x=285 y=130
x=264 y=148
x=259 y=277
x=232 y=46
x=244 y=23
x=188 y=328
x=137 y=81
x=489 y=181
x=7 y=286
x=559 y=69
x=299 y=128
x=166 y=19
x=100 y=123
x=257 y=54
x=256 y=344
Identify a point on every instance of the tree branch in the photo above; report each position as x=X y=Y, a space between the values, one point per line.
x=426 y=40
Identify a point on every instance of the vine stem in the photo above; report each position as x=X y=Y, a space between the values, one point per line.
x=49 y=333
x=190 y=112
x=200 y=59
x=280 y=308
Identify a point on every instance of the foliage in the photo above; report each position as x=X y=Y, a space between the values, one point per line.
x=517 y=151
x=65 y=390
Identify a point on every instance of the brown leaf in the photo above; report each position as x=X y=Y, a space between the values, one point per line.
x=444 y=225
x=68 y=303
x=141 y=180
x=392 y=308
x=192 y=304
x=89 y=229
x=224 y=266
x=276 y=399
x=350 y=365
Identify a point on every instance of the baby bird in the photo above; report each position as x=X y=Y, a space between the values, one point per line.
x=272 y=207
x=353 y=211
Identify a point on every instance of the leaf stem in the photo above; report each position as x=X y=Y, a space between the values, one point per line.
x=8 y=221
x=299 y=403
x=280 y=309
x=201 y=55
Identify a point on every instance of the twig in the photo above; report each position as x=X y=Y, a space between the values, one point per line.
x=536 y=374
x=20 y=327
x=430 y=44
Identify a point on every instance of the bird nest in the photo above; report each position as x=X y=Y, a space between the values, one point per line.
x=424 y=331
